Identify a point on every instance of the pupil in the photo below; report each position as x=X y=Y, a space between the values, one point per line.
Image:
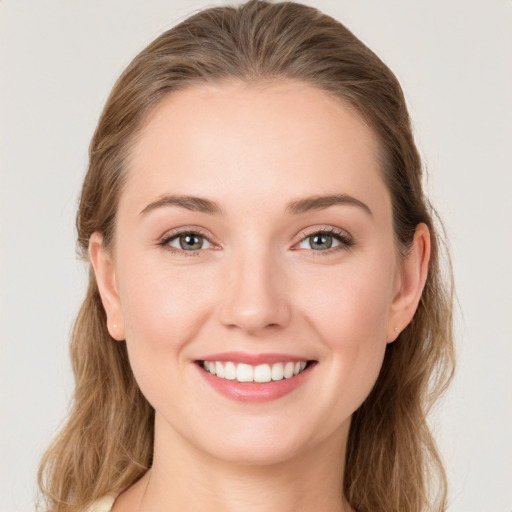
x=190 y=242
x=321 y=241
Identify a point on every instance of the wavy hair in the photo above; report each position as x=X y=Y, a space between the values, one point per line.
x=106 y=444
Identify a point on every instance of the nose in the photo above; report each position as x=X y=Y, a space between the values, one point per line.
x=255 y=294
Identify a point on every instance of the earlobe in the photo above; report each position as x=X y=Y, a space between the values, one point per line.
x=411 y=281
x=104 y=272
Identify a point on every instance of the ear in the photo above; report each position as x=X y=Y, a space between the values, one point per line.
x=104 y=271
x=410 y=281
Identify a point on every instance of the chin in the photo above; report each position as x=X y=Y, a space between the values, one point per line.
x=256 y=452
x=267 y=441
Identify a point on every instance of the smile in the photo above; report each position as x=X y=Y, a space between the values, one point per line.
x=242 y=372
x=254 y=378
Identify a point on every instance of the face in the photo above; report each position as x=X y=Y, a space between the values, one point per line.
x=253 y=239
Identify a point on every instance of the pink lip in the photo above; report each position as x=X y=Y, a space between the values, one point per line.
x=255 y=391
x=252 y=359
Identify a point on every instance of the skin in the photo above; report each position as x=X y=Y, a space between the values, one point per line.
x=258 y=286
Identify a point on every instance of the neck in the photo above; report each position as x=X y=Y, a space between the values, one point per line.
x=185 y=478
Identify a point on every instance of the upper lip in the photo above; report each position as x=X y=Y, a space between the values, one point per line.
x=253 y=359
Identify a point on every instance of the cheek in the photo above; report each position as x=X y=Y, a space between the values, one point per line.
x=349 y=312
x=350 y=304
x=161 y=303
x=163 y=312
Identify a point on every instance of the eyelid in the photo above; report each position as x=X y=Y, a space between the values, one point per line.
x=304 y=233
x=176 y=232
x=344 y=237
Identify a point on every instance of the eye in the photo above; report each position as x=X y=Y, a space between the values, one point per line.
x=188 y=241
x=326 y=240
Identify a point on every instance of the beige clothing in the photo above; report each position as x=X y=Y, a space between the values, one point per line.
x=105 y=504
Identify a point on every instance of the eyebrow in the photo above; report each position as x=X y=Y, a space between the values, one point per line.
x=196 y=204
x=307 y=204
x=320 y=202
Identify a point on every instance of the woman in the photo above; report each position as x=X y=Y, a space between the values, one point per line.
x=266 y=325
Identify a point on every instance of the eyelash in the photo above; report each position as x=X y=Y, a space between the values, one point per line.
x=346 y=241
x=164 y=242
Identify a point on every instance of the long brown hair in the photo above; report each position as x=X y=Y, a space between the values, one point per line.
x=106 y=445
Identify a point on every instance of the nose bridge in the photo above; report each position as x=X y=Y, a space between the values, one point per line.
x=255 y=289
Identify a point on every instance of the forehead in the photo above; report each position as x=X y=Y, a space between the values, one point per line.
x=252 y=140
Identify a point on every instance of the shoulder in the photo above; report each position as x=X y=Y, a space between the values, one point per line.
x=102 y=505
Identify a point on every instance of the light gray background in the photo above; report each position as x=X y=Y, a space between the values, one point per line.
x=58 y=61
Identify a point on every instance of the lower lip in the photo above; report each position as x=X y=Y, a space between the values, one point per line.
x=255 y=391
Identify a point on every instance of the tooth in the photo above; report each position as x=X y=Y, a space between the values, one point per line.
x=219 y=370
x=288 y=370
x=262 y=373
x=248 y=373
x=230 y=371
x=244 y=373
x=277 y=371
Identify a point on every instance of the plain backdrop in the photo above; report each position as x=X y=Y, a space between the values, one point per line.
x=58 y=61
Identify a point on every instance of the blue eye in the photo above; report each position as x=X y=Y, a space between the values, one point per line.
x=187 y=241
x=322 y=241
x=325 y=240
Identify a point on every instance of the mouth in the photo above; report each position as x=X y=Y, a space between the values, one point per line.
x=268 y=377
x=261 y=373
